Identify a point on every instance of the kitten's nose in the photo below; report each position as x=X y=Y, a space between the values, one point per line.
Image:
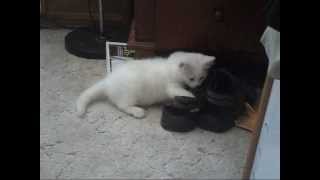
x=196 y=87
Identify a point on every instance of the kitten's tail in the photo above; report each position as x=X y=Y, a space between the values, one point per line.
x=89 y=95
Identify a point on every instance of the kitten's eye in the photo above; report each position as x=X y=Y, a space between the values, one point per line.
x=202 y=78
x=191 y=79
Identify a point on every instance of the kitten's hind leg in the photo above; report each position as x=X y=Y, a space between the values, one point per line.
x=90 y=94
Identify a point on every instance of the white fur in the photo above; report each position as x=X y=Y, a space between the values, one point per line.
x=145 y=82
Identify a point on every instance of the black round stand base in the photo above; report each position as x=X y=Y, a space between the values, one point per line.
x=86 y=43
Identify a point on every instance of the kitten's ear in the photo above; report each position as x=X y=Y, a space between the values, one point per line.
x=209 y=62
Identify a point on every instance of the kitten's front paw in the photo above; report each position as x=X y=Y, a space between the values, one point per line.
x=137 y=112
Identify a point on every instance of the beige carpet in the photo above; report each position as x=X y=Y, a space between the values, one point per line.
x=110 y=144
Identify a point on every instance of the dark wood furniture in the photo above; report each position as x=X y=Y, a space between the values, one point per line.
x=214 y=25
x=76 y=12
x=227 y=29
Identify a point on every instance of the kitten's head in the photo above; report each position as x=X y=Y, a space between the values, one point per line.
x=193 y=67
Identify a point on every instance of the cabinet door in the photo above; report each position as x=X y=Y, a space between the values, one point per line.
x=144 y=17
x=182 y=24
x=236 y=25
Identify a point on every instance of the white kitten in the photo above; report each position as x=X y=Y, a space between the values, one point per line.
x=145 y=82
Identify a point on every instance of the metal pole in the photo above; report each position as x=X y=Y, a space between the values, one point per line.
x=101 y=18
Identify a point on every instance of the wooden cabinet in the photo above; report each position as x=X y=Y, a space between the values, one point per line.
x=218 y=25
x=76 y=12
x=227 y=29
x=236 y=25
x=182 y=24
x=144 y=24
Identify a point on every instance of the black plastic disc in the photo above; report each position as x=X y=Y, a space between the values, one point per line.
x=84 y=42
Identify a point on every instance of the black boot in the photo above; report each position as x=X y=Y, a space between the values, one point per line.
x=224 y=104
x=179 y=114
x=216 y=107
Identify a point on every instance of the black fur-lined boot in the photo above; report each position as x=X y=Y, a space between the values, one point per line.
x=217 y=105
x=179 y=114
x=224 y=102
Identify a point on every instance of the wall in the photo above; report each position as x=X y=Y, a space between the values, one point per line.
x=267 y=160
